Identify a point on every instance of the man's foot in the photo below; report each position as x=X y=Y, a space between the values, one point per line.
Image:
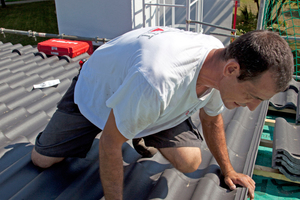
x=141 y=148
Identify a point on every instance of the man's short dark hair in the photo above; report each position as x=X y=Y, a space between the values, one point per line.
x=258 y=51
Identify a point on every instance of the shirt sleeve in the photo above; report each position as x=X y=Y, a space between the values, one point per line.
x=135 y=105
x=215 y=105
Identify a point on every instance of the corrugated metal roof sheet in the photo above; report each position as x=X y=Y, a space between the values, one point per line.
x=25 y=112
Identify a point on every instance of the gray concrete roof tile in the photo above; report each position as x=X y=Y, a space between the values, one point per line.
x=9 y=46
x=24 y=68
x=281 y=166
x=288 y=98
x=290 y=166
x=295 y=85
x=24 y=99
x=286 y=139
x=286 y=149
x=4 y=62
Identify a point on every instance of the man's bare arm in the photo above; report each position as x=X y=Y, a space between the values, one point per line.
x=111 y=161
x=213 y=130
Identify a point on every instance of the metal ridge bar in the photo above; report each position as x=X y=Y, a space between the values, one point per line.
x=291 y=38
x=62 y=36
x=260 y=17
x=168 y=5
x=225 y=35
x=216 y=26
x=195 y=1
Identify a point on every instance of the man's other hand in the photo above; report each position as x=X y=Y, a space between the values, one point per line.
x=232 y=178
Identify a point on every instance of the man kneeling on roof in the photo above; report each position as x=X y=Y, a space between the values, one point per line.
x=146 y=84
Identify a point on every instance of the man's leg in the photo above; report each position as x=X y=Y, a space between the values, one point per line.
x=68 y=134
x=42 y=161
x=184 y=159
x=180 y=145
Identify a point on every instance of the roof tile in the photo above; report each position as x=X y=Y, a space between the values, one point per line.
x=286 y=149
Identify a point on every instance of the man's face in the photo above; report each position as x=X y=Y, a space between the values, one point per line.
x=247 y=93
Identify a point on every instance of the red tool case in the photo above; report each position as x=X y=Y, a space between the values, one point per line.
x=60 y=47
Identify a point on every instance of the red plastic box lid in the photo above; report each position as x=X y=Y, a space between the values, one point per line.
x=62 y=47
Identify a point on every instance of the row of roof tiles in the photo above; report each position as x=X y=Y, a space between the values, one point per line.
x=286 y=149
x=21 y=68
x=286 y=136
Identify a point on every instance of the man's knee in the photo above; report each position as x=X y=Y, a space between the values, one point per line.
x=188 y=166
x=43 y=161
x=184 y=159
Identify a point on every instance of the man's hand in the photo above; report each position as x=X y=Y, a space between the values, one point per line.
x=232 y=178
x=213 y=131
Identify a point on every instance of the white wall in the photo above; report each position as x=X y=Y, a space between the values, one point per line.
x=111 y=18
x=92 y=18
x=218 y=12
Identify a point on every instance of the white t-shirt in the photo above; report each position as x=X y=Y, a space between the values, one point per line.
x=148 y=77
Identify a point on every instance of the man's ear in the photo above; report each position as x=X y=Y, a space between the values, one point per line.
x=231 y=68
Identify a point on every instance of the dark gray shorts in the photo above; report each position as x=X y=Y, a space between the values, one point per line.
x=70 y=134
